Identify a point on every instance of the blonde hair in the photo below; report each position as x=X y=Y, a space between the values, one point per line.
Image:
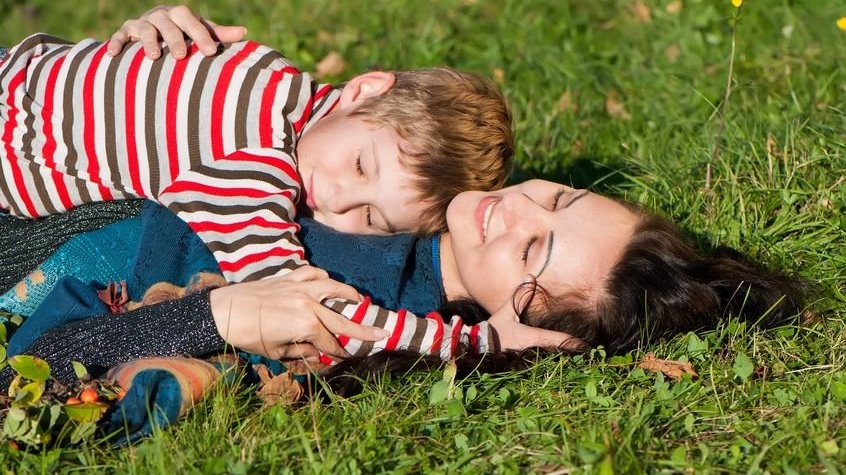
x=458 y=128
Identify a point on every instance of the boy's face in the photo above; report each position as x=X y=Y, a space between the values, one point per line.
x=352 y=177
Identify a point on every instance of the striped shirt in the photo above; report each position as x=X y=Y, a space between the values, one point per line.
x=211 y=138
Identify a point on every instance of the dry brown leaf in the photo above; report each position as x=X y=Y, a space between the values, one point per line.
x=615 y=108
x=674 y=7
x=671 y=368
x=672 y=53
x=331 y=65
x=567 y=103
x=642 y=12
x=499 y=75
x=577 y=147
x=279 y=389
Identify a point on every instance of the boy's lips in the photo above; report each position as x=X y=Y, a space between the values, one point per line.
x=309 y=194
x=483 y=214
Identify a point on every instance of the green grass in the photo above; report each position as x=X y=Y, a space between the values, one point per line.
x=783 y=203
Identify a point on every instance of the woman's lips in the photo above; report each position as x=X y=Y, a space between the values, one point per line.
x=312 y=205
x=483 y=213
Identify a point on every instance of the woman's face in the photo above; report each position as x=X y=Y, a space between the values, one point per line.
x=568 y=239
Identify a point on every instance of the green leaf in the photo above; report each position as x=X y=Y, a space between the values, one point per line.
x=743 y=366
x=81 y=371
x=471 y=394
x=439 y=392
x=29 y=394
x=30 y=367
x=838 y=390
x=86 y=412
x=462 y=443
x=590 y=390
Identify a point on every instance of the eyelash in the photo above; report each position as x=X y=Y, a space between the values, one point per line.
x=557 y=196
x=358 y=165
x=528 y=247
x=367 y=219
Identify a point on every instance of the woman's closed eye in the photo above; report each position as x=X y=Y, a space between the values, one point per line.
x=528 y=247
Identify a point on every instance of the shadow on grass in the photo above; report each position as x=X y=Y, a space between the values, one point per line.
x=598 y=174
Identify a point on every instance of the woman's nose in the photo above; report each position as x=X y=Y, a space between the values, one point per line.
x=520 y=211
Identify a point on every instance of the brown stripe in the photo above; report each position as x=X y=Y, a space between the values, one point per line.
x=29 y=127
x=291 y=103
x=269 y=271
x=228 y=210
x=255 y=175
x=7 y=193
x=247 y=89
x=416 y=343
x=110 y=126
x=150 y=121
x=24 y=48
x=72 y=84
x=194 y=103
x=230 y=247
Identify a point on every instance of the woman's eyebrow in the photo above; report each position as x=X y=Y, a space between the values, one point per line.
x=576 y=195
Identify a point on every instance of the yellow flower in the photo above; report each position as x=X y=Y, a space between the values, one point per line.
x=737 y=3
x=841 y=23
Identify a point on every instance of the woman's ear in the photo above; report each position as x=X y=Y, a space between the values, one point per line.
x=364 y=86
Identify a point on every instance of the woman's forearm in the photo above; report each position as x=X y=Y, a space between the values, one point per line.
x=176 y=327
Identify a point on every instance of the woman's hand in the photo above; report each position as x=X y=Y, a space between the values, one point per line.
x=283 y=318
x=173 y=24
x=514 y=335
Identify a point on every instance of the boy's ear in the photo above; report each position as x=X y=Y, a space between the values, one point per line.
x=364 y=86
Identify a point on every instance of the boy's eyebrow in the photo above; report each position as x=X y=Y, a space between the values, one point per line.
x=375 y=157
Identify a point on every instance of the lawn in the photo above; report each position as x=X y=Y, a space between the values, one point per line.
x=625 y=96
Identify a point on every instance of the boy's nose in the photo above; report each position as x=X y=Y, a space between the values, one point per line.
x=342 y=198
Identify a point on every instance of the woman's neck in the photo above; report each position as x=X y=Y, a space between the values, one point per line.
x=453 y=286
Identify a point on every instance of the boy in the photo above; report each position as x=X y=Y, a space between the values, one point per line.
x=230 y=142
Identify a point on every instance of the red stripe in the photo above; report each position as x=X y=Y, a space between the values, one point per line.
x=49 y=149
x=182 y=186
x=298 y=125
x=395 y=335
x=266 y=109
x=227 y=228
x=456 y=334
x=129 y=116
x=439 y=333
x=235 y=266
x=172 y=103
x=357 y=317
x=474 y=338
x=88 y=126
x=219 y=98
x=8 y=133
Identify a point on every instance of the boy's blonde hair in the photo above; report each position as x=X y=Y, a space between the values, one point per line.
x=458 y=126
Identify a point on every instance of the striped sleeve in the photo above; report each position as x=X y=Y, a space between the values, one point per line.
x=243 y=208
x=428 y=336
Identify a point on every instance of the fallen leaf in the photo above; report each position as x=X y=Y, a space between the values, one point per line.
x=279 y=389
x=577 y=147
x=331 y=65
x=671 y=368
x=615 y=108
x=567 y=103
x=499 y=75
x=674 y=7
x=642 y=12
x=672 y=53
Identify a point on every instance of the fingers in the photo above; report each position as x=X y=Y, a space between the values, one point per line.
x=340 y=325
x=305 y=351
x=305 y=273
x=229 y=34
x=117 y=41
x=531 y=336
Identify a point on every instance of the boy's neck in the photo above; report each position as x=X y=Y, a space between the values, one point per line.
x=453 y=287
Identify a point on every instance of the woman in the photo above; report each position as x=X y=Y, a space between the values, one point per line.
x=549 y=255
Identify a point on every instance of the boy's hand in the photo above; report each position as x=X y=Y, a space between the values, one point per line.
x=282 y=317
x=173 y=24
x=514 y=335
